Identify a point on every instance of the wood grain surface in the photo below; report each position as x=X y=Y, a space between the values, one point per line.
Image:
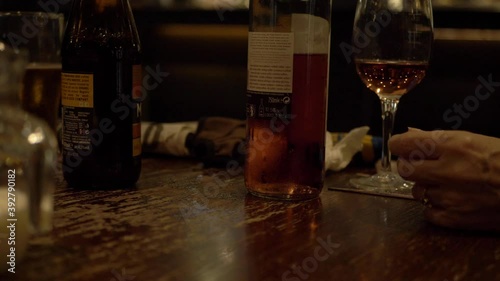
x=183 y=222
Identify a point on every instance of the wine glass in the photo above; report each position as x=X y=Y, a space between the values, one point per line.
x=392 y=42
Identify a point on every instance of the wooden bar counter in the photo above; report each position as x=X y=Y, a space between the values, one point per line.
x=183 y=222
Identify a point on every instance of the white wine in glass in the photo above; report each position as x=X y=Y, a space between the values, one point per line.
x=393 y=40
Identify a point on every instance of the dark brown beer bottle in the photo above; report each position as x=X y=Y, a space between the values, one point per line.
x=101 y=95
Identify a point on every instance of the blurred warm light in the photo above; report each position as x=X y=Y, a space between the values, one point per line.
x=395 y=5
x=196 y=4
x=466 y=34
x=220 y=4
x=487 y=5
x=36 y=137
x=226 y=5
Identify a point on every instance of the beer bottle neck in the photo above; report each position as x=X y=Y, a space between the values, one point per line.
x=100 y=21
x=109 y=10
x=102 y=5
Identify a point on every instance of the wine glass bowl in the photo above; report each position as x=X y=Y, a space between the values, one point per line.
x=391 y=79
x=393 y=40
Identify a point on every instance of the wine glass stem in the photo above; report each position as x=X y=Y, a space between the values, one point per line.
x=389 y=107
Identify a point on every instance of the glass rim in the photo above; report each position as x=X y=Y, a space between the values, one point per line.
x=50 y=15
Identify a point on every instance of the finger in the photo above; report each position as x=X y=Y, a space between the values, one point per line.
x=425 y=171
x=458 y=169
x=421 y=193
x=417 y=144
x=441 y=197
x=420 y=190
x=463 y=198
x=442 y=217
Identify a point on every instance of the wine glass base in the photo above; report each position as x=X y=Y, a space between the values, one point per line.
x=382 y=182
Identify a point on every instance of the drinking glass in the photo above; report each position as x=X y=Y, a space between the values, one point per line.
x=392 y=42
x=40 y=35
x=28 y=153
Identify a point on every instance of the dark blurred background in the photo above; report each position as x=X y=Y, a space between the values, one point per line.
x=202 y=44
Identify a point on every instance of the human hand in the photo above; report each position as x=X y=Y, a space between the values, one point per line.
x=456 y=175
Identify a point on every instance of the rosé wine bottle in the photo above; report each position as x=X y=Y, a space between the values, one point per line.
x=288 y=64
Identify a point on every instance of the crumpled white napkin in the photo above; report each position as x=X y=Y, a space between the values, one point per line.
x=339 y=155
x=170 y=138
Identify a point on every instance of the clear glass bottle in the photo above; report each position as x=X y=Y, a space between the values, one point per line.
x=28 y=154
x=101 y=109
x=288 y=62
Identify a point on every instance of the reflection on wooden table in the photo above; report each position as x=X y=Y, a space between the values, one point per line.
x=183 y=222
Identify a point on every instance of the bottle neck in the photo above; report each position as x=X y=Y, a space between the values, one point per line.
x=92 y=8
x=100 y=21
x=102 y=5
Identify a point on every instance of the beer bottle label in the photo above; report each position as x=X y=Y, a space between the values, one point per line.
x=270 y=74
x=137 y=112
x=77 y=98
